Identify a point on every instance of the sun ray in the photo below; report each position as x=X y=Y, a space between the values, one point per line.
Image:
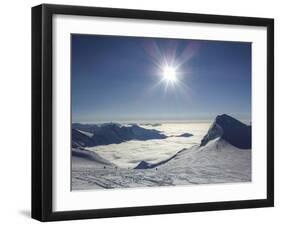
x=169 y=62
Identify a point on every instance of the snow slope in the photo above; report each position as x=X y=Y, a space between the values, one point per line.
x=91 y=156
x=84 y=164
x=216 y=162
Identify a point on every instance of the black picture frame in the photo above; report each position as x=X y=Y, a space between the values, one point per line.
x=42 y=111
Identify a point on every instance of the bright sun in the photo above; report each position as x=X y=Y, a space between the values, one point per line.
x=170 y=74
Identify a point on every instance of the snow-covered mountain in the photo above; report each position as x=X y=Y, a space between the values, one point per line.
x=224 y=156
x=231 y=130
x=224 y=129
x=110 y=133
x=79 y=139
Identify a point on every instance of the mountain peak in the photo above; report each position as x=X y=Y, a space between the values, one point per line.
x=225 y=119
x=231 y=130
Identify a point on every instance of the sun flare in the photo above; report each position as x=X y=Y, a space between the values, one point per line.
x=169 y=74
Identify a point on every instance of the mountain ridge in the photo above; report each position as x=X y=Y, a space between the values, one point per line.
x=231 y=130
x=111 y=133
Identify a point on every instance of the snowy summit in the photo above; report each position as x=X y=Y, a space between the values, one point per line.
x=231 y=130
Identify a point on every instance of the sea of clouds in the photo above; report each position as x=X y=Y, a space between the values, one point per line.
x=129 y=154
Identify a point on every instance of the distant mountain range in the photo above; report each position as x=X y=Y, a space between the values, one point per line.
x=224 y=126
x=85 y=135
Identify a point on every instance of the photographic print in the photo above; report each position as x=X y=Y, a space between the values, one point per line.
x=149 y=112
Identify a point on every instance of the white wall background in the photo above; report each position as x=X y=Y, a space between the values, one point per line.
x=15 y=112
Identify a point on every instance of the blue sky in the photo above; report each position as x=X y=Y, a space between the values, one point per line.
x=117 y=78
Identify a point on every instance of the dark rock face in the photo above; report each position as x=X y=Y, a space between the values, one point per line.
x=231 y=130
x=80 y=140
x=144 y=165
x=185 y=135
x=111 y=134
